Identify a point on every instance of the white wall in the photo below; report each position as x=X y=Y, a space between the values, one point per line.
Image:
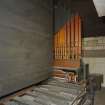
x=96 y=63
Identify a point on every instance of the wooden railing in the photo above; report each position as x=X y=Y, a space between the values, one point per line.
x=67 y=44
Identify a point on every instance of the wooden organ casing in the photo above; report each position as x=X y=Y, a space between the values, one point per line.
x=67 y=44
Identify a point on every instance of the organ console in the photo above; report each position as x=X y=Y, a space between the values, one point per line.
x=67 y=44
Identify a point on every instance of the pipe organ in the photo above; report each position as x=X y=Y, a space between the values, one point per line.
x=67 y=44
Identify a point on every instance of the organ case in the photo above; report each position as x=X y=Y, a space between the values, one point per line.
x=67 y=44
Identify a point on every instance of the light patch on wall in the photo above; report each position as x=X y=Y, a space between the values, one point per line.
x=100 y=7
x=94 y=43
x=97 y=66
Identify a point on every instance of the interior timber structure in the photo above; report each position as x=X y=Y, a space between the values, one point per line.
x=52 y=52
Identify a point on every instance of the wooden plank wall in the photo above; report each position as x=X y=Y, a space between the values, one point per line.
x=67 y=44
x=25 y=43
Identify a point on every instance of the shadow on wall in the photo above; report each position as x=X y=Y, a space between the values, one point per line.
x=92 y=25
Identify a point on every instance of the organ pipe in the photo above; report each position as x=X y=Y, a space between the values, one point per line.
x=67 y=44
